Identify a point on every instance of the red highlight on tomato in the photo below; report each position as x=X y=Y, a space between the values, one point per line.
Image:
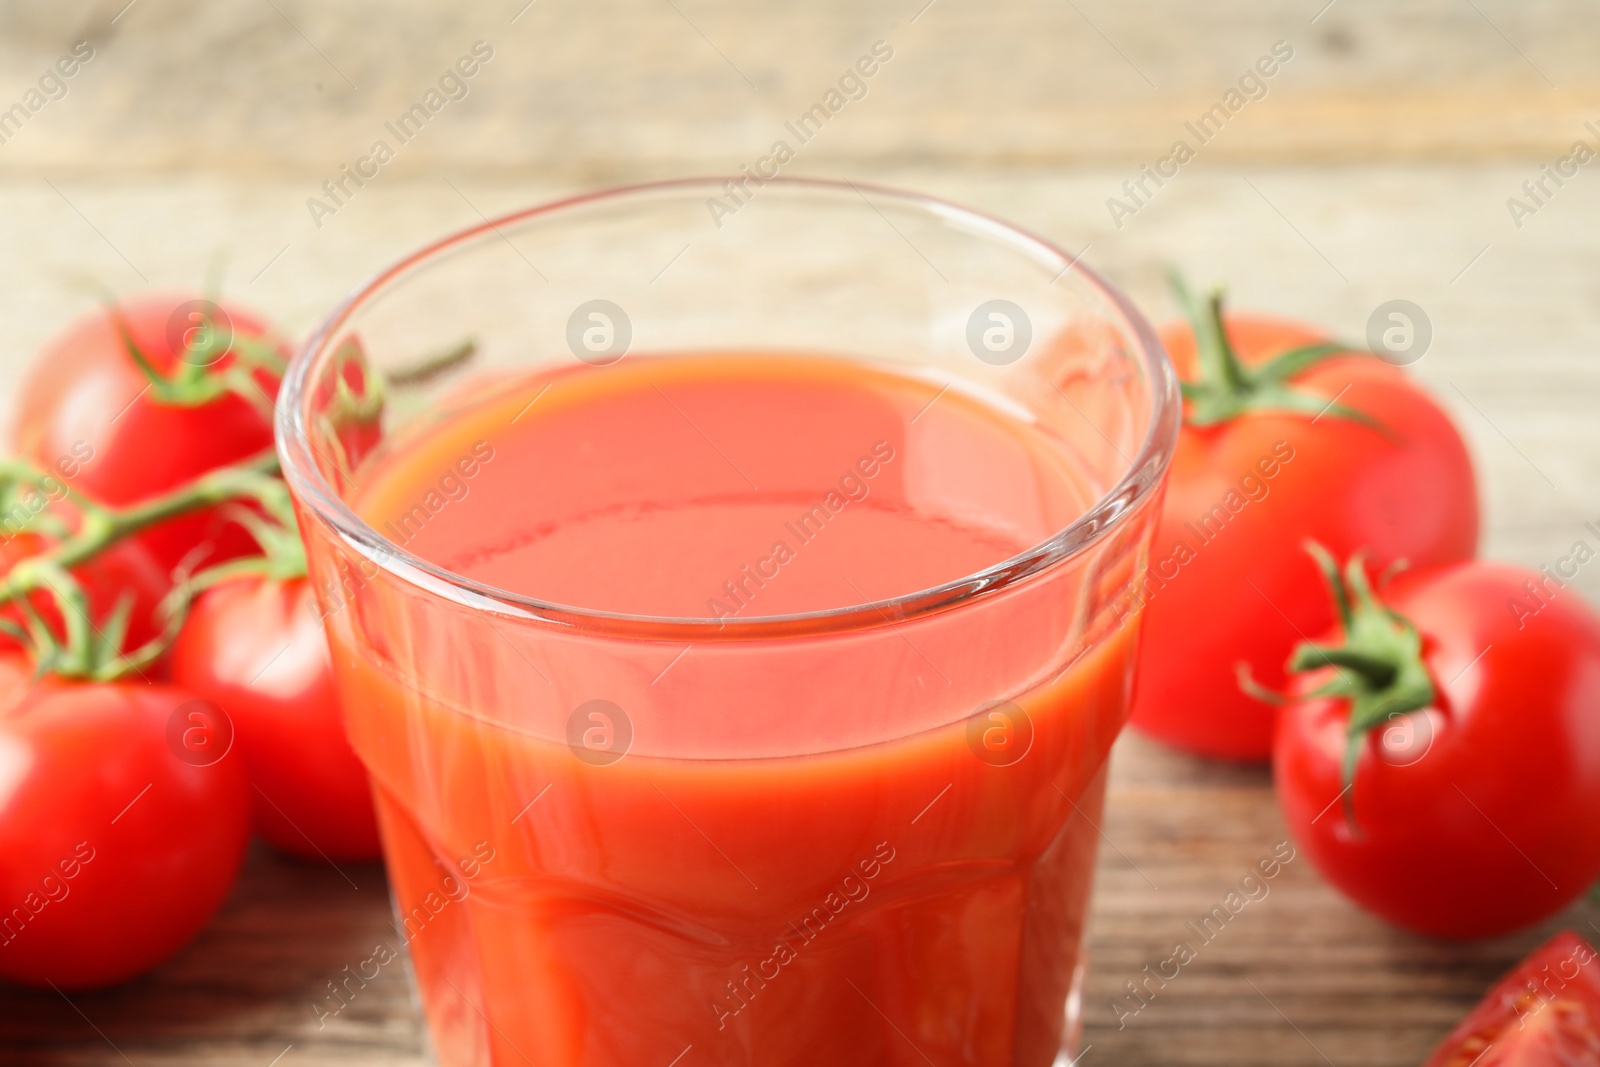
x=115 y=847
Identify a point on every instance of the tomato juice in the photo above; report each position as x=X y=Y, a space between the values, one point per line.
x=801 y=833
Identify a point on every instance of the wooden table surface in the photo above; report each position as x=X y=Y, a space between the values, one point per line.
x=1377 y=165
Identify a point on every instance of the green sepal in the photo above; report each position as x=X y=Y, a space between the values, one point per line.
x=108 y=638
x=1378 y=668
x=1254 y=689
x=195 y=380
x=1225 y=388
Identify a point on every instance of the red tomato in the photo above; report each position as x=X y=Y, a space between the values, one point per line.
x=114 y=851
x=86 y=410
x=1476 y=813
x=256 y=648
x=1228 y=579
x=124 y=568
x=1546 y=1013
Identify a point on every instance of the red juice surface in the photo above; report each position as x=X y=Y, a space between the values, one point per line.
x=764 y=877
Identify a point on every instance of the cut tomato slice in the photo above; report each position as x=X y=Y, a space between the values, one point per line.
x=1546 y=1013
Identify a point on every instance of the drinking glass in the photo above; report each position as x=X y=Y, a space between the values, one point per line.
x=624 y=841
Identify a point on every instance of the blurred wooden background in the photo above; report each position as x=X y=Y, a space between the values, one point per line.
x=1377 y=166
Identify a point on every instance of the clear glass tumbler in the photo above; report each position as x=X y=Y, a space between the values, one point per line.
x=857 y=835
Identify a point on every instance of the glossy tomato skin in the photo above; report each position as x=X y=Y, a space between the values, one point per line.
x=85 y=399
x=1545 y=1013
x=256 y=648
x=1230 y=581
x=1477 y=816
x=125 y=568
x=114 y=852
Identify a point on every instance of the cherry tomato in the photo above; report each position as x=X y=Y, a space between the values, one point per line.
x=1382 y=469
x=124 y=569
x=87 y=409
x=1545 y=1013
x=1475 y=813
x=114 y=850
x=256 y=648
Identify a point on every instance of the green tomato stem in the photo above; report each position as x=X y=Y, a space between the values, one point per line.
x=1378 y=667
x=196 y=380
x=97 y=655
x=1226 y=388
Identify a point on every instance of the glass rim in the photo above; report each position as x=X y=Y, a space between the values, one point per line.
x=1141 y=475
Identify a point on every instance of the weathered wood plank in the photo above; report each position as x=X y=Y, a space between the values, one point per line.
x=612 y=88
